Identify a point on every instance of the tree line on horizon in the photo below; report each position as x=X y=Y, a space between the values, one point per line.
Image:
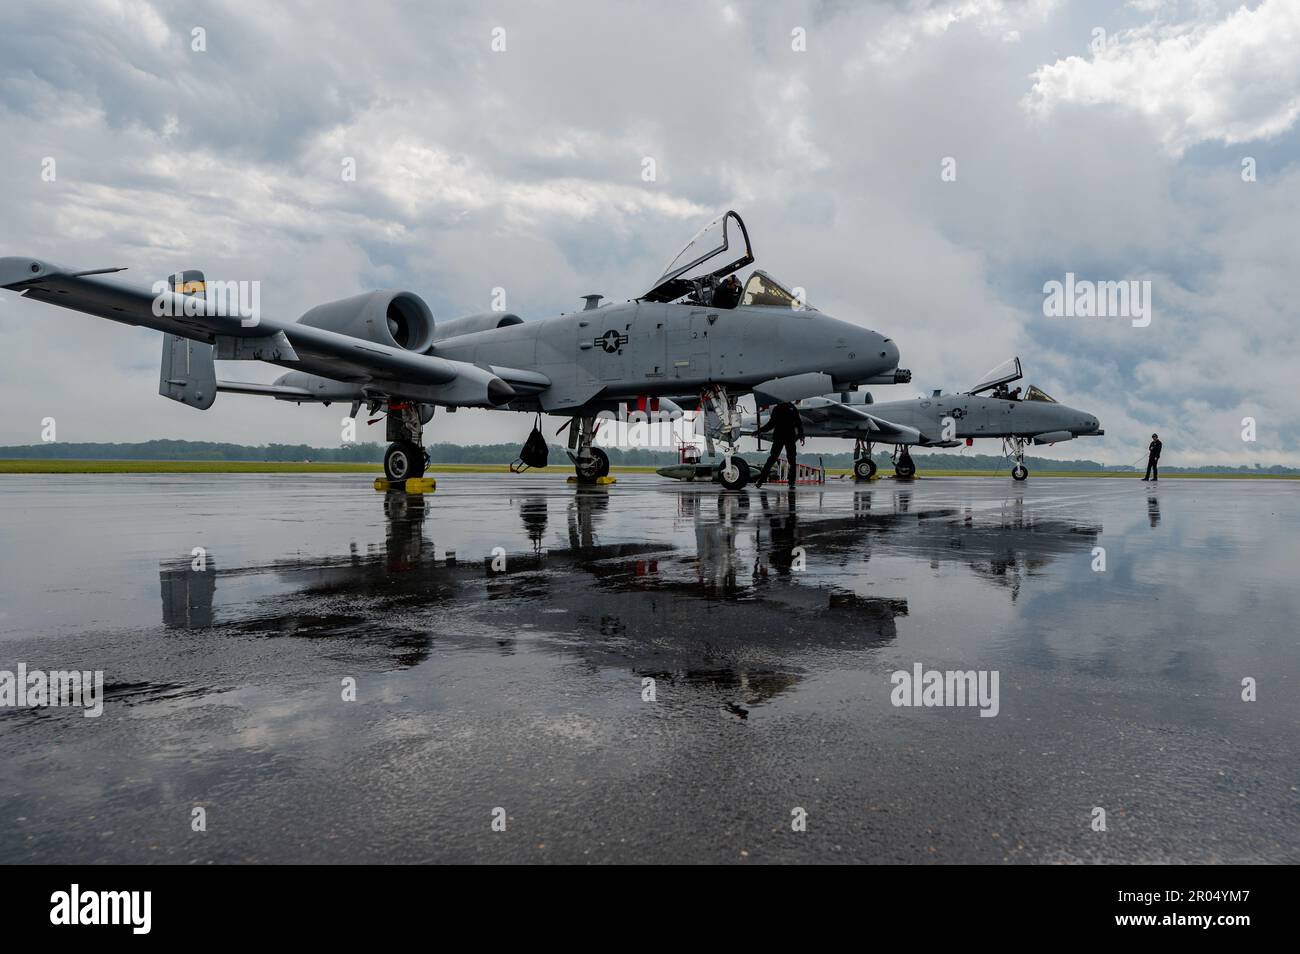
x=446 y=453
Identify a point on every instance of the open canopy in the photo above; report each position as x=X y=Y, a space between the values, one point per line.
x=1004 y=373
x=716 y=251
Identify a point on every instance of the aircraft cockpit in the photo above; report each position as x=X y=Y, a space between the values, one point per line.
x=764 y=290
x=997 y=380
x=693 y=276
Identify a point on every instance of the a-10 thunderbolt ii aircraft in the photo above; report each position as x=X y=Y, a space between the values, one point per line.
x=944 y=420
x=695 y=337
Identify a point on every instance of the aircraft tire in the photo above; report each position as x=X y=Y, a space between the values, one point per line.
x=864 y=468
x=905 y=469
x=1019 y=472
x=737 y=476
x=598 y=468
x=403 y=460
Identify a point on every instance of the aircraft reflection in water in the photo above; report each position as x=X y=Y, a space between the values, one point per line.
x=1002 y=546
x=708 y=618
x=739 y=613
x=187 y=593
x=363 y=583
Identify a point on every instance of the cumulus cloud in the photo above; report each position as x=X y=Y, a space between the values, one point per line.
x=1230 y=80
x=924 y=20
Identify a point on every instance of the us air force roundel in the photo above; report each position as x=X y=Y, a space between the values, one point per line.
x=611 y=341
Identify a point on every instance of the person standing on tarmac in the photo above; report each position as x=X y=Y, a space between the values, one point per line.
x=1153 y=458
x=786 y=426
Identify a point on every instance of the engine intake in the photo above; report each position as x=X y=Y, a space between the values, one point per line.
x=399 y=319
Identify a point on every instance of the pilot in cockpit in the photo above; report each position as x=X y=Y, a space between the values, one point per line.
x=727 y=294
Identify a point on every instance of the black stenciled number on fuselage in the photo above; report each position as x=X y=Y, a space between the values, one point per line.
x=611 y=341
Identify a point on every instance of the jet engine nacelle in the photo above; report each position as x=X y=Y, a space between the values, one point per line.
x=472 y=324
x=398 y=319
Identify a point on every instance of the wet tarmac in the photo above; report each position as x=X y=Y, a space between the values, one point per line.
x=505 y=632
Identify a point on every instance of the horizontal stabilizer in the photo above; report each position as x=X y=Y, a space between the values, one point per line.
x=281 y=391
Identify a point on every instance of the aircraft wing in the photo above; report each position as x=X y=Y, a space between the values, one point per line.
x=822 y=412
x=342 y=357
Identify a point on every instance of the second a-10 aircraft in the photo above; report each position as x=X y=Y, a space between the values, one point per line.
x=989 y=409
x=696 y=337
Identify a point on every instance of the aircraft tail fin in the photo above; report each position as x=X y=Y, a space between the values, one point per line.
x=188 y=373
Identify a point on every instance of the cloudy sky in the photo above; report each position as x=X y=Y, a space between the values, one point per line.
x=1107 y=140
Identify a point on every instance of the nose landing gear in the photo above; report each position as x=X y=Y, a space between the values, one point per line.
x=1017 y=453
x=722 y=423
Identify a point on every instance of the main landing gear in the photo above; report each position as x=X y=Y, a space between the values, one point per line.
x=904 y=468
x=722 y=423
x=1017 y=453
x=590 y=463
x=405 y=457
x=864 y=468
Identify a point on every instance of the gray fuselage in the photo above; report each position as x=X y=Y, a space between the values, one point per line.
x=971 y=415
x=621 y=351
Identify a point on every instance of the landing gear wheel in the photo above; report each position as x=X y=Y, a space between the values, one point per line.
x=594 y=467
x=864 y=468
x=904 y=468
x=734 y=474
x=1019 y=472
x=403 y=460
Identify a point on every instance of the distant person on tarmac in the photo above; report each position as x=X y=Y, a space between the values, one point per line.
x=786 y=426
x=1153 y=458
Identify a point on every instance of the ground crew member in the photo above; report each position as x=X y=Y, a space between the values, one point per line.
x=1153 y=458
x=786 y=426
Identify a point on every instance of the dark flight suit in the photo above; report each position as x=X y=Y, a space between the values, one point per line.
x=1153 y=461
x=727 y=295
x=787 y=427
